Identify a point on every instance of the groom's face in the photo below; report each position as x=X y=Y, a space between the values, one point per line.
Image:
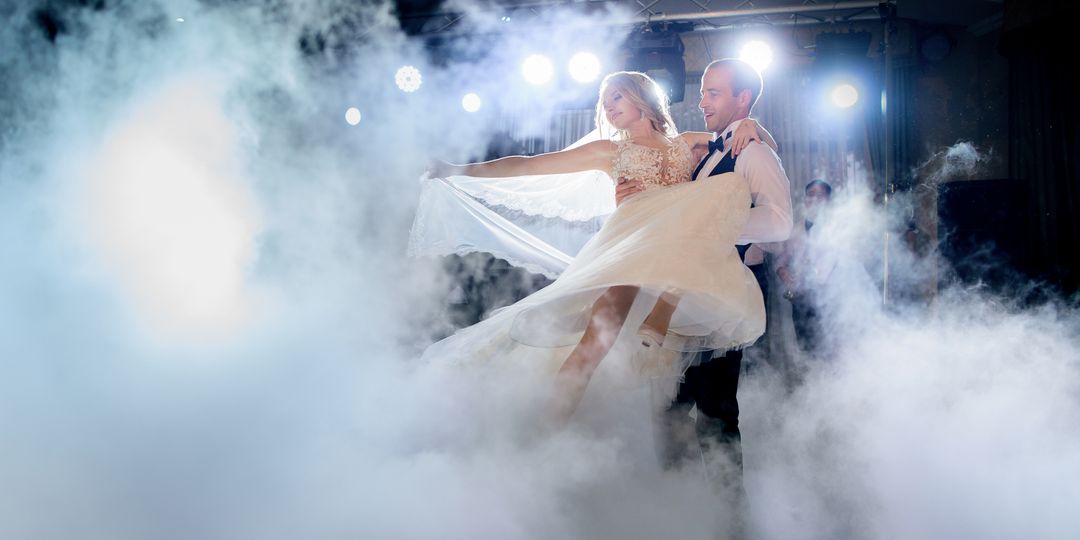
x=718 y=103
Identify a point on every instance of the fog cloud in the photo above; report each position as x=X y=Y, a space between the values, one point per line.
x=209 y=328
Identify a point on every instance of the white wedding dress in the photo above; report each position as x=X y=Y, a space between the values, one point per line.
x=676 y=236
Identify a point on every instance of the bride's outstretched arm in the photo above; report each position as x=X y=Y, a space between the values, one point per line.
x=596 y=155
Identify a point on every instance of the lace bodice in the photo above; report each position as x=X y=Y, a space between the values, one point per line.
x=653 y=166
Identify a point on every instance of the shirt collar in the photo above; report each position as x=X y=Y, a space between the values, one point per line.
x=728 y=130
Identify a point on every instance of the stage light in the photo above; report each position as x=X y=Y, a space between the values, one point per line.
x=844 y=95
x=352 y=116
x=936 y=45
x=537 y=69
x=408 y=79
x=658 y=52
x=584 y=67
x=842 y=71
x=471 y=102
x=757 y=54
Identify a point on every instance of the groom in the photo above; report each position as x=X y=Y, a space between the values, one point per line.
x=729 y=90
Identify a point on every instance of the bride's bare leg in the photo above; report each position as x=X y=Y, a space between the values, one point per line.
x=659 y=319
x=608 y=314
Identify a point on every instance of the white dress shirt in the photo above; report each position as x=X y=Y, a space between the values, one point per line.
x=770 y=218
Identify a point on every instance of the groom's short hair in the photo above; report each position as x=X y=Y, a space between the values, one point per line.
x=743 y=77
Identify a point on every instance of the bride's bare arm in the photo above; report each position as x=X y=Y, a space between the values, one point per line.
x=596 y=155
x=698 y=141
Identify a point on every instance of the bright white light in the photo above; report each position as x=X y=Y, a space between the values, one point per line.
x=844 y=96
x=179 y=19
x=352 y=116
x=408 y=79
x=505 y=18
x=537 y=69
x=758 y=54
x=584 y=67
x=471 y=102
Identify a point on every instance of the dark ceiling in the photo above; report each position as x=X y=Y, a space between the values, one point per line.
x=979 y=16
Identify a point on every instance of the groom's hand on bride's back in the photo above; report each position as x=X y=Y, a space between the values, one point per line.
x=625 y=187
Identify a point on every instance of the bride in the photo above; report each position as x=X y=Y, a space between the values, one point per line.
x=662 y=273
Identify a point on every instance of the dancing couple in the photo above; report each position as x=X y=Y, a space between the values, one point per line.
x=665 y=271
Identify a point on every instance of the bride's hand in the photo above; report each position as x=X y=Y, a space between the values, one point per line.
x=699 y=151
x=746 y=132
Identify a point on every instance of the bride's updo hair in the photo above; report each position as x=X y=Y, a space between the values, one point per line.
x=644 y=93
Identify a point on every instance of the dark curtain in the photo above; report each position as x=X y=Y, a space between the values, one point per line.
x=875 y=127
x=1044 y=137
x=899 y=105
x=902 y=109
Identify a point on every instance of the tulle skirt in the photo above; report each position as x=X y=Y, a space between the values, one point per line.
x=678 y=239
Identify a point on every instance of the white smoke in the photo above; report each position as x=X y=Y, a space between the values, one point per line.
x=939 y=414
x=961 y=160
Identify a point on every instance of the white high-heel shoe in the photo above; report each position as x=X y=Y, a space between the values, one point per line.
x=651 y=359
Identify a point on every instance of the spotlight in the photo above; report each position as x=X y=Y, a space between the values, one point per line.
x=758 y=54
x=844 y=95
x=842 y=70
x=408 y=79
x=936 y=45
x=584 y=67
x=537 y=69
x=352 y=116
x=470 y=102
x=658 y=52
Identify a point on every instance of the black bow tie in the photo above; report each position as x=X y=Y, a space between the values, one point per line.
x=718 y=144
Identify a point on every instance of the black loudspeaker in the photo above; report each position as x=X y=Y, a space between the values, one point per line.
x=980 y=231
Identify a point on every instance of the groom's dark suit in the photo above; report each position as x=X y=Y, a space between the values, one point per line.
x=712 y=383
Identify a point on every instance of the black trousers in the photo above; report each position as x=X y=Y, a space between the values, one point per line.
x=712 y=385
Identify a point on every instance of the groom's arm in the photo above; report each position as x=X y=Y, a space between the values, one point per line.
x=770 y=218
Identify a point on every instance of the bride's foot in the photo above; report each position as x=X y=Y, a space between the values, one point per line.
x=650 y=336
x=650 y=358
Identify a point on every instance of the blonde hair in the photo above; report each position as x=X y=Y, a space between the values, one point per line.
x=643 y=93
